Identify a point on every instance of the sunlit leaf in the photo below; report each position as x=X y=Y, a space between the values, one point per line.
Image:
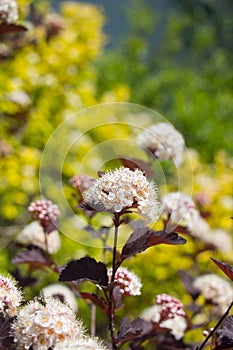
x=143 y=238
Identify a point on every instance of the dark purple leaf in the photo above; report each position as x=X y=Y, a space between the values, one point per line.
x=90 y=209
x=9 y=28
x=134 y=163
x=23 y=281
x=32 y=256
x=85 y=269
x=224 y=335
x=143 y=238
x=187 y=281
x=162 y=237
x=117 y=297
x=129 y=330
x=5 y=325
x=225 y=267
x=97 y=300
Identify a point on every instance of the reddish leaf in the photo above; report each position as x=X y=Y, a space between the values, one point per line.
x=97 y=300
x=133 y=164
x=143 y=238
x=85 y=269
x=225 y=267
x=129 y=330
x=7 y=28
x=161 y=237
x=32 y=256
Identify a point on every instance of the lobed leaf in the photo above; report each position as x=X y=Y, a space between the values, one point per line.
x=85 y=269
x=129 y=330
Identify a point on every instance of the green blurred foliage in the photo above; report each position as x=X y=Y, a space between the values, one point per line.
x=46 y=76
x=184 y=73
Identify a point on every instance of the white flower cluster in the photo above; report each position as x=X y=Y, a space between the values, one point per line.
x=164 y=141
x=61 y=292
x=218 y=239
x=128 y=281
x=179 y=208
x=20 y=98
x=123 y=188
x=221 y=240
x=81 y=344
x=8 y=11
x=10 y=296
x=216 y=290
x=169 y=313
x=34 y=234
x=177 y=325
x=42 y=326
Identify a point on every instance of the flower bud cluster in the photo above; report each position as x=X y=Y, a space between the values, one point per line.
x=128 y=281
x=169 y=313
x=170 y=306
x=44 y=211
x=81 y=182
